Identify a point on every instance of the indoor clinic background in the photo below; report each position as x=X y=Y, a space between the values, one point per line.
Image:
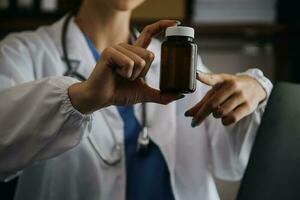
x=232 y=36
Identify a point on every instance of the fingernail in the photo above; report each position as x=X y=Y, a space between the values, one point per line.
x=180 y=96
x=178 y=22
x=186 y=114
x=193 y=124
x=226 y=121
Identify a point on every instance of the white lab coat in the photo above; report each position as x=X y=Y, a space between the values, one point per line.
x=36 y=113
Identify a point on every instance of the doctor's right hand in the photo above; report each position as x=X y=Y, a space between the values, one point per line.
x=118 y=76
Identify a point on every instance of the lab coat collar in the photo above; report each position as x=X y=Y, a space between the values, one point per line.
x=78 y=50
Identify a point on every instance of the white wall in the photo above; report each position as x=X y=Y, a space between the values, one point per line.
x=232 y=56
x=234 y=11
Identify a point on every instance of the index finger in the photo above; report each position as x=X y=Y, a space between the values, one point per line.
x=209 y=78
x=151 y=30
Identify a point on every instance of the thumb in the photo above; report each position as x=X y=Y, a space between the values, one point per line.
x=156 y=96
x=209 y=78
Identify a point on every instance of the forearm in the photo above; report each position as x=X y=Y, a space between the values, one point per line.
x=87 y=100
x=37 y=122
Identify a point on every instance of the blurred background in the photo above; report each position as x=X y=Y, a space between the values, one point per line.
x=232 y=35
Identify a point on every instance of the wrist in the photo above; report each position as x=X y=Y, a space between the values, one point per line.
x=82 y=98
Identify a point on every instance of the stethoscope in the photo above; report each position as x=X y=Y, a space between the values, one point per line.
x=143 y=138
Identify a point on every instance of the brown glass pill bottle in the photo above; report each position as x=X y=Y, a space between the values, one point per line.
x=178 y=61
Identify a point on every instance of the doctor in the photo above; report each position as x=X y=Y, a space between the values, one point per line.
x=44 y=114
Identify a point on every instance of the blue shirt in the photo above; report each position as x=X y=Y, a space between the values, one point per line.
x=148 y=177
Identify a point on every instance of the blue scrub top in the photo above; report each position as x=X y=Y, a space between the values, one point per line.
x=148 y=176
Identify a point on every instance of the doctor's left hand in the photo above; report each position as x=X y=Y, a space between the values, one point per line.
x=231 y=98
x=118 y=76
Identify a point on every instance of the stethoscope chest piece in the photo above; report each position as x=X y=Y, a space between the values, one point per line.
x=143 y=142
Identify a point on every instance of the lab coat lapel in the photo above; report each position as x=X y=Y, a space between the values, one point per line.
x=162 y=130
x=161 y=118
x=78 y=51
x=115 y=121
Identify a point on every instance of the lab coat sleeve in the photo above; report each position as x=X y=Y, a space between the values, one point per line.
x=37 y=120
x=230 y=146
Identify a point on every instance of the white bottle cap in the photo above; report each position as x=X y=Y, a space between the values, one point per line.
x=180 y=31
